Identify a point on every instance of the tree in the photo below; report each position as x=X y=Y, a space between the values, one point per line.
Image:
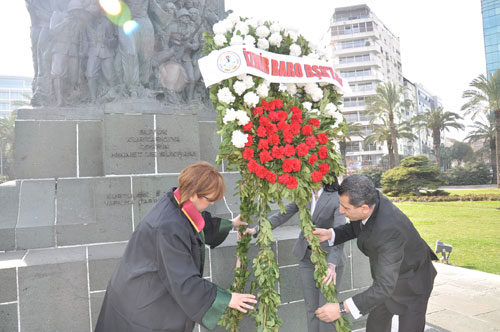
x=468 y=174
x=386 y=104
x=462 y=152
x=382 y=134
x=446 y=157
x=437 y=121
x=485 y=132
x=7 y=126
x=351 y=130
x=485 y=98
x=414 y=173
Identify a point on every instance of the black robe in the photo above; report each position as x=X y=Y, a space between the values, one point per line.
x=158 y=284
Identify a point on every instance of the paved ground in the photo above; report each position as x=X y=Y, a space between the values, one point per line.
x=463 y=300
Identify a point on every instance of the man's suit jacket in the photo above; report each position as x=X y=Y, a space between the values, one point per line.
x=326 y=212
x=400 y=260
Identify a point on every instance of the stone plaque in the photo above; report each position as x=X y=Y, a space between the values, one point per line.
x=94 y=210
x=129 y=144
x=90 y=148
x=209 y=142
x=177 y=142
x=9 y=205
x=45 y=149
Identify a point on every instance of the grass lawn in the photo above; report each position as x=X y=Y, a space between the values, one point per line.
x=462 y=192
x=472 y=228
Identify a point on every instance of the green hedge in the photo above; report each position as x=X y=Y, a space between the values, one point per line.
x=451 y=198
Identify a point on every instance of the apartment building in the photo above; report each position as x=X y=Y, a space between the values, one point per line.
x=14 y=91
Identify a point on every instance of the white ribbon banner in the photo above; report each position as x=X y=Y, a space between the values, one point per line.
x=276 y=68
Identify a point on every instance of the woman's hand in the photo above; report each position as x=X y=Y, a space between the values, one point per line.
x=241 y=302
x=237 y=221
x=330 y=275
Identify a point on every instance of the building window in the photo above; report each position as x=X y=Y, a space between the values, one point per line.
x=351 y=117
x=352 y=147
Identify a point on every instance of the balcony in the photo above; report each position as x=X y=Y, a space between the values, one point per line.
x=376 y=62
x=356 y=50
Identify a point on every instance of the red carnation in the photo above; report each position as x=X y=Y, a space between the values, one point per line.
x=289 y=150
x=287 y=136
x=252 y=166
x=292 y=183
x=323 y=153
x=258 y=111
x=324 y=168
x=271 y=177
x=317 y=176
x=271 y=128
x=314 y=122
x=261 y=131
x=265 y=156
x=307 y=130
x=288 y=165
x=312 y=159
x=295 y=109
x=273 y=116
x=248 y=154
x=248 y=126
x=263 y=144
x=311 y=142
x=282 y=125
x=261 y=172
x=283 y=179
x=282 y=116
x=278 y=152
x=249 y=140
x=297 y=165
x=296 y=118
x=268 y=106
x=322 y=138
x=274 y=139
x=278 y=103
x=295 y=128
x=264 y=121
x=302 y=149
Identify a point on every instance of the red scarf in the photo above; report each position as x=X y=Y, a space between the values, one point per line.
x=190 y=212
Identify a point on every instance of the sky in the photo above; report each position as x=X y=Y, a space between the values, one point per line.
x=442 y=44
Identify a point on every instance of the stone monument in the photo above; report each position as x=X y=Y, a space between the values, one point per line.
x=116 y=115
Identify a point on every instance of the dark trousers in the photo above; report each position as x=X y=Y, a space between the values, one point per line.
x=380 y=318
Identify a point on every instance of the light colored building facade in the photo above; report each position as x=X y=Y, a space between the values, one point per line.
x=366 y=53
x=14 y=91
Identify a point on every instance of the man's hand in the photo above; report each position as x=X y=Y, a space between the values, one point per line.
x=328 y=313
x=237 y=222
x=241 y=302
x=330 y=275
x=323 y=234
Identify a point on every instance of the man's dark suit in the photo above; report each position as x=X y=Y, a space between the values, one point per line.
x=400 y=263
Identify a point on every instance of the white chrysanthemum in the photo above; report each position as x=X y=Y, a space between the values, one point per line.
x=233 y=18
x=314 y=111
x=307 y=105
x=282 y=87
x=323 y=83
x=222 y=27
x=220 y=40
x=293 y=35
x=252 y=22
x=239 y=87
x=242 y=27
x=263 y=44
x=230 y=116
x=275 y=27
x=313 y=55
x=275 y=39
x=262 y=31
x=336 y=145
x=224 y=95
x=313 y=45
x=251 y=99
x=242 y=117
x=313 y=90
x=291 y=88
x=248 y=80
x=249 y=40
x=236 y=40
x=295 y=50
x=330 y=108
x=263 y=90
x=239 y=139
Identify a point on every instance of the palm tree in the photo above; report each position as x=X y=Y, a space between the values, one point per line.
x=437 y=121
x=7 y=139
x=485 y=98
x=387 y=104
x=382 y=134
x=352 y=129
x=485 y=132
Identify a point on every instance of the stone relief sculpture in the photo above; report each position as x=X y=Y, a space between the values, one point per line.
x=80 y=57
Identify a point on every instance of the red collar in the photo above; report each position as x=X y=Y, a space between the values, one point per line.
x=190 y=212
